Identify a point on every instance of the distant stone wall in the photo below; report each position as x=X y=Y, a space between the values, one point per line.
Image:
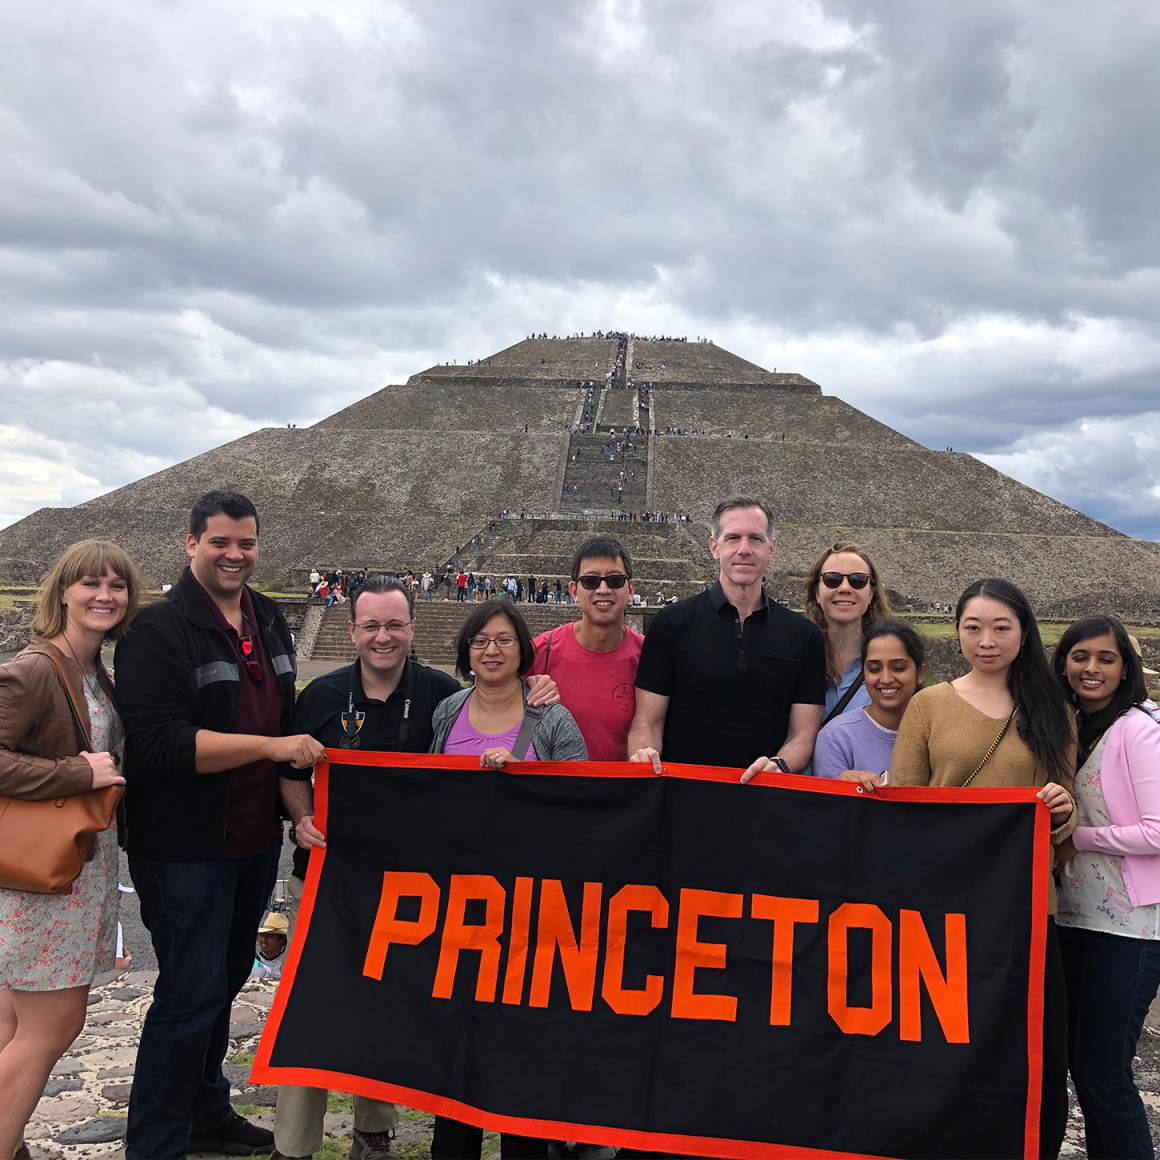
x=575 y=358
x=703 y=364
x=617 y=408
x=328 y=496
x=14 y=624
x=452 y=406
x=1064 y=577
x=863 y=486
x=764 y=412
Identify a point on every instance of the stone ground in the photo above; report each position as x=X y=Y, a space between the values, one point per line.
x=82 y=1112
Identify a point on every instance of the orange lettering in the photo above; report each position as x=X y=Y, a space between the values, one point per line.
x=389 y=929
x=860 y=1020
x=784 y=912
x=948 y=995
x=555 y=929
x=458 y=936
x=691 y=954
x=513 y=979
x=631 y=1001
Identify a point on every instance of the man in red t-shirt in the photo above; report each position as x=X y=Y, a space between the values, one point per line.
x=593 y=661
x=461 y=586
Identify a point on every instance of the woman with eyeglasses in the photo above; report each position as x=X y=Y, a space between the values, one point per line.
x=1109 y=888
x=844 y=598
x=1004 y=723
x=494 y=720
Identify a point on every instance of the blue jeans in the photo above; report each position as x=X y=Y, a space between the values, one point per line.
x=1111 y=980
x=203 y=921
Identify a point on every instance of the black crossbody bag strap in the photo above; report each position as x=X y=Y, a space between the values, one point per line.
x=847 y=697
x=523 y=740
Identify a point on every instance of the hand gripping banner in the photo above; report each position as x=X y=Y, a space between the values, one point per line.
x=673 y=964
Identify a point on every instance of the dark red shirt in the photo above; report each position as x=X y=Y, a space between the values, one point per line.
x=251 y=816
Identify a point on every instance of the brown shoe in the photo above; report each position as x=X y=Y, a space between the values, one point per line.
x=372 y=1146
x=22 y=1153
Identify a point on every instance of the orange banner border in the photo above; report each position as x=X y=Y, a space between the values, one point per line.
x=263 y=1072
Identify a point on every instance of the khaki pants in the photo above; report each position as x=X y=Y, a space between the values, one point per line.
x=298 y=1120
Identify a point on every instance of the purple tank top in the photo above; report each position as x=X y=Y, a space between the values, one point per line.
x=465 y=738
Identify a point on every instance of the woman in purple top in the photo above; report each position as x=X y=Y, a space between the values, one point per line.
x=858 y=746
x=493 y=720
x=495 y=644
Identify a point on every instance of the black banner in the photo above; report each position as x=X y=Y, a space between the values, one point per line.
x=677 y=963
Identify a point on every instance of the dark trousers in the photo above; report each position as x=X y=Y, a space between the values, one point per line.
x=1111 y=980
x=203 y=919
x=1053 y=1100
x=455 y=1141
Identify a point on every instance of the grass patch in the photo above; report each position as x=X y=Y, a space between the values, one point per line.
x=340 y=1102
x=239 y=1058
x=252 y=1110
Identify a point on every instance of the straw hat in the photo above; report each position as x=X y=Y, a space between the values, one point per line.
x=1149 y=673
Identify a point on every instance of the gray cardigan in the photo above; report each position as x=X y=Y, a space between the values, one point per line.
x=556 y=737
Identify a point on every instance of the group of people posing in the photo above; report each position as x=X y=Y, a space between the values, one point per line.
x=204 y=727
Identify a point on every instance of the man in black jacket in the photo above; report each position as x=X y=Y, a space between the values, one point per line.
x=205 y=684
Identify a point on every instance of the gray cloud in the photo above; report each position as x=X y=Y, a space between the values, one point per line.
x=214 y=217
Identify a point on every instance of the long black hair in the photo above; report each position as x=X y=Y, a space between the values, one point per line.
x=1132 y=689
x=1044 y=722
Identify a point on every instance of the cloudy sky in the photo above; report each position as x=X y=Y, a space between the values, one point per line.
x=219 y=216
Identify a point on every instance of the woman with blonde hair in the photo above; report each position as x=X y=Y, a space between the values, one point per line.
x=52 y=946
x=844 y=598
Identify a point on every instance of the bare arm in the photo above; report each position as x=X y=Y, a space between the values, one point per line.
x=298 y=797
x=804 y=723
x=217 y=751
x=648 y=728
x=798 y=747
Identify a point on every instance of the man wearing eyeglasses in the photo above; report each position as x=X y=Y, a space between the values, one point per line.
x=730 y=677
x=205 y=682
x=383 y=701
x=594 y=659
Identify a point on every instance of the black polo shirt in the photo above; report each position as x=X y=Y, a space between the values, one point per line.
x=324 y=702
x=730 y=685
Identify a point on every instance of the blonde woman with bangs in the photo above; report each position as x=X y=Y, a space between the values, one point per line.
x=52 y=946
x=844 y=597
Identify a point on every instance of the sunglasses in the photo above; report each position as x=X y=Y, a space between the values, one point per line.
x=253 y=669
x=591 y=583
x=834 y=579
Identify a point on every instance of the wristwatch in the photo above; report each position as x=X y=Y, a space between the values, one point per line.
x=781 y=764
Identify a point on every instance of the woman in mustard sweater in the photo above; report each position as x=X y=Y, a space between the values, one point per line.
x=1005 y=723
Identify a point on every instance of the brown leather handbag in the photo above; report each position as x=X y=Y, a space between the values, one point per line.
x=44 y=845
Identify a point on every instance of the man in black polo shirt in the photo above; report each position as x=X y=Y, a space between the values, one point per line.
x=384 y=701
x=730 y=677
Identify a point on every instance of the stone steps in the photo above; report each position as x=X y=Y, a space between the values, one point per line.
x=590 y=480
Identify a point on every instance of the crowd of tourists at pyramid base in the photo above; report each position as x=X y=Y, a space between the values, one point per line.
x=217 y=748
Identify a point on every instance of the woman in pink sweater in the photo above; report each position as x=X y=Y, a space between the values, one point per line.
x=1109 y=894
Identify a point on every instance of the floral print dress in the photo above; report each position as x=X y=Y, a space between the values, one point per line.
x=49 y=942
x=1092 y=894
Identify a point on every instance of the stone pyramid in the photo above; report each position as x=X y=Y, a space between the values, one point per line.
x=414 y=472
